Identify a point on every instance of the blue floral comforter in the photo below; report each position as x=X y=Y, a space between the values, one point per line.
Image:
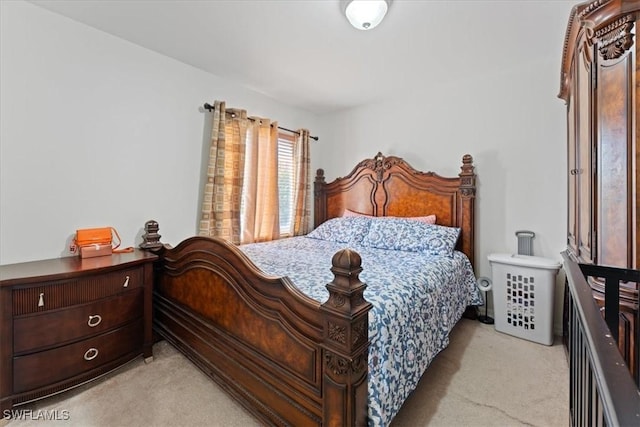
x=417 y=299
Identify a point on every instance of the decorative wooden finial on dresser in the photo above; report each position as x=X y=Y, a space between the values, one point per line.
x=151 y=238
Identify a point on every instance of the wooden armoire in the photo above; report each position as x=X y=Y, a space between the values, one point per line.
x=601 y=87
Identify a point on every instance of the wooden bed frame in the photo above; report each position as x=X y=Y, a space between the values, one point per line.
x=286 y=358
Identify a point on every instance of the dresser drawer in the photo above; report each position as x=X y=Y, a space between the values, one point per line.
x=38 y=331
x=65 y=293
x=48 y=367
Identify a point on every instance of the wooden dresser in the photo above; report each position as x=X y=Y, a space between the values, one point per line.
x=66 y=321
x=600 y=86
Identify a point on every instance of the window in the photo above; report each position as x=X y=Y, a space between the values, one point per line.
x=285 y=182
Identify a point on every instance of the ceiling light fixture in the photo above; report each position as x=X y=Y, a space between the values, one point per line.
x=365 y=14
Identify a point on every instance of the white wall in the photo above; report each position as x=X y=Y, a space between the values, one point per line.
x=97 y=131
x=508 y=117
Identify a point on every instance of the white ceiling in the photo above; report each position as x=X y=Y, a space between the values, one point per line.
x=304 y=53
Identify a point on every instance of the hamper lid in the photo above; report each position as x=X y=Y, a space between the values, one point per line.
x=525 y=261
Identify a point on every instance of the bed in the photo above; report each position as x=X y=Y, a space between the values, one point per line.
x=334 y=341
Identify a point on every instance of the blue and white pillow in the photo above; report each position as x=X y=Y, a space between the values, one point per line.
x=414 y=236
x=349 y=230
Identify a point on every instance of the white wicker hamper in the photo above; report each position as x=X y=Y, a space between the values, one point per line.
x=523 y=294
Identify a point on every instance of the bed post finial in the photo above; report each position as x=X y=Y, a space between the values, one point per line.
x=151 y=238
x=468 y=177
x=346 y=343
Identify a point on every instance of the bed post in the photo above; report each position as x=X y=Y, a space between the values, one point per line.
x=320 y=199
x=345 y=344
x=467 y=199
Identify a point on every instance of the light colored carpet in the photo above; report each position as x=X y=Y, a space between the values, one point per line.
x=484 y=378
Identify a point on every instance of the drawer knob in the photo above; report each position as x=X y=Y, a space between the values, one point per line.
x=126 y=282
x=41 y=300
x=94 y=320
x=91 y=354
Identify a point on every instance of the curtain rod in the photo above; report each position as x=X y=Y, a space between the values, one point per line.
x=210 y=107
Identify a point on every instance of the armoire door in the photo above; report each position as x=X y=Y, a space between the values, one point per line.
x=614 y=112
x=584 y=151
x=572 y=162
x=615 y=137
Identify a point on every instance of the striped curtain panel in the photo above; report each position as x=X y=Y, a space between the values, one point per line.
x=222 y=193
x=261 y=210
x=301 y=223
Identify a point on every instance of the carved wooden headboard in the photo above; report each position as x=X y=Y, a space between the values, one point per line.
x=389 y=186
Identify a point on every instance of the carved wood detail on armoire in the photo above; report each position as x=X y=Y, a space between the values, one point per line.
x=599 y=83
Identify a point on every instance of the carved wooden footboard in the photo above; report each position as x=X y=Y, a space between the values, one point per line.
x=288 y=359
